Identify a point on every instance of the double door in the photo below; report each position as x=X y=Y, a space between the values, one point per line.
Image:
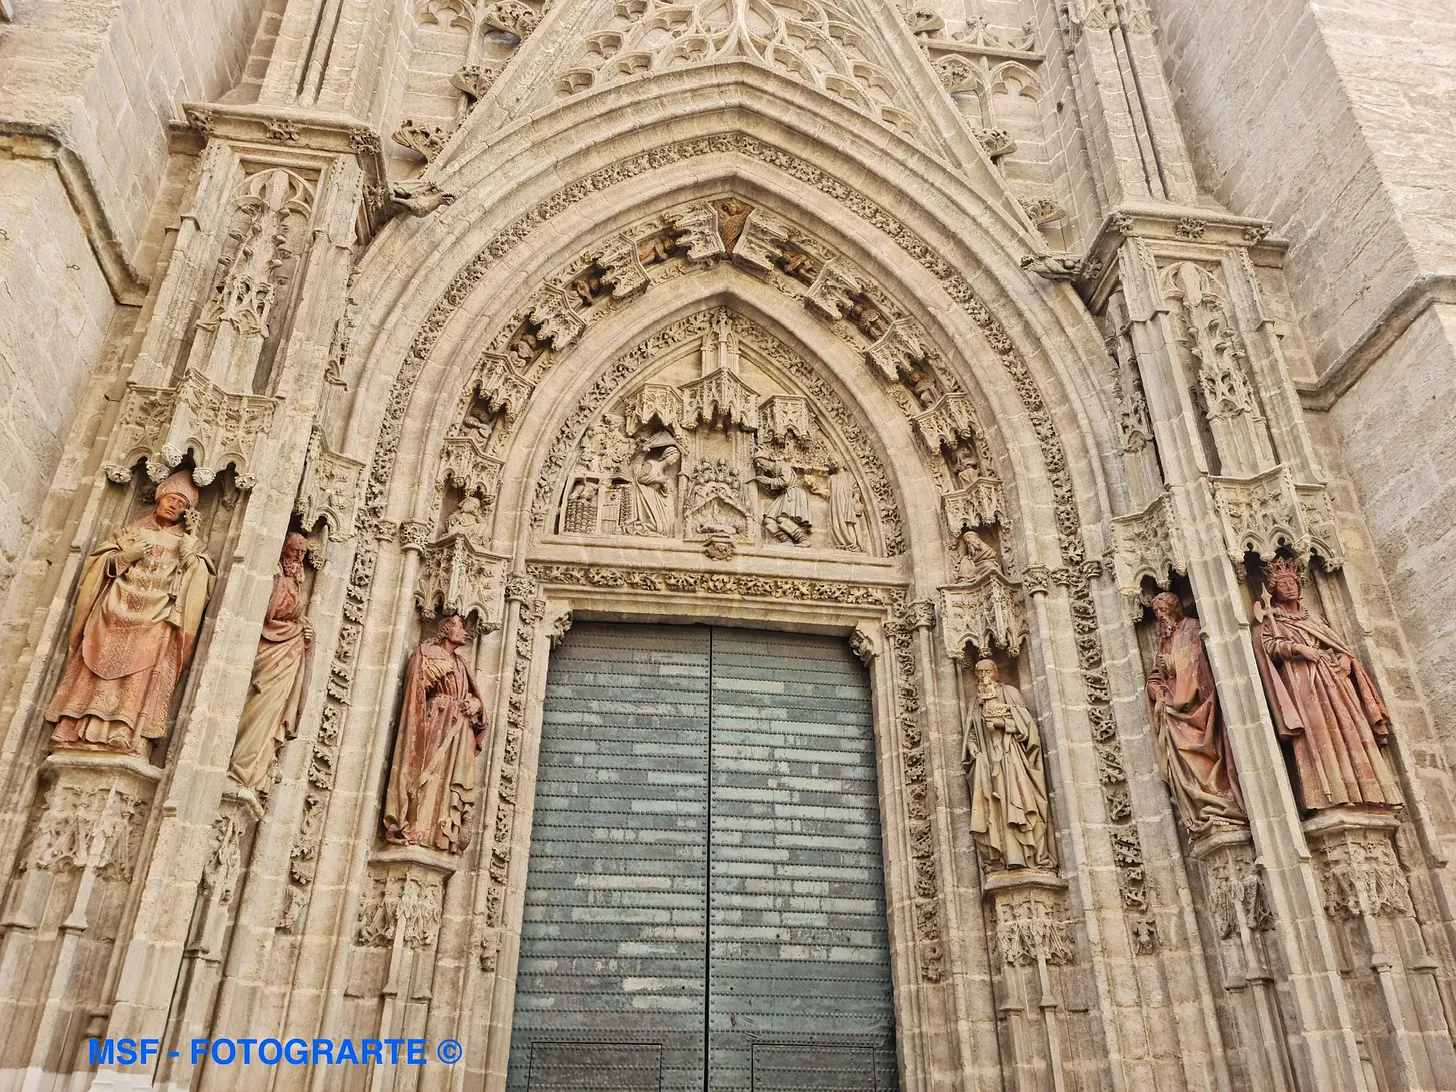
x=705 y=901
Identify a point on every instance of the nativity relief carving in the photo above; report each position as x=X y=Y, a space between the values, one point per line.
x=712 y=449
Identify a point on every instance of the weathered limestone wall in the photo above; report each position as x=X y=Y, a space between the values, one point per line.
x=88 y=87
x=1333 y=120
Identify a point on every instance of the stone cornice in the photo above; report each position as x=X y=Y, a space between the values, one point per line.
x=30 y=140
x=1420 y=294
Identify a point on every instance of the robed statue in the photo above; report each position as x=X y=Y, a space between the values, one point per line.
x=138 y=611
x=280 y=671
x=1010 y=812
x=432 y=779
x=1322 y=700
x=1192 y=746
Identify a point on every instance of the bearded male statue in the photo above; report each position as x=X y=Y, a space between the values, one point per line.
x=280 y=671
x=432 y=778
x=1010 y=812
x=1322 y=700
x=1191 y=742
x=138 y=610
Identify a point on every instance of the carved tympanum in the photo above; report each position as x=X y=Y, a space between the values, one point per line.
x=138 y=609
x=1322 y=700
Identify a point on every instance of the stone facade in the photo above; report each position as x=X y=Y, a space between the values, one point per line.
x=959 y=329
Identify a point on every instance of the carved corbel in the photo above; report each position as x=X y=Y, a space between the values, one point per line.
x=984 y=615
x=163 y=425
x=331 y=488
x=697 y=233
x=1267 y=513
x=833 y=292
x=1145 y=545
x=555 y=319
x=865 y=645
x=457 y=577
x=403 y=905
x=428 y=140
x=474 y=80
x=416 y=197
x=785 y=416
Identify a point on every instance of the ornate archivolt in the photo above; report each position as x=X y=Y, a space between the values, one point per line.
x=677 y=243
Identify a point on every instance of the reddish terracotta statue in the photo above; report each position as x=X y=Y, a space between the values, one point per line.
x=432 y=781
x=138 y=610
x=1192 y=745
x=1322 y=701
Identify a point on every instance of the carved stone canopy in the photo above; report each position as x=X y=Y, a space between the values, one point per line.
x=457 y=577
x=165 y=424
x=1270 y=512
x=1145 y=546
x=982 y=616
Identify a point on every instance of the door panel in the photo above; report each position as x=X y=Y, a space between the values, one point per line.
x=704 y=903
x=610 y=987
x=798 y=964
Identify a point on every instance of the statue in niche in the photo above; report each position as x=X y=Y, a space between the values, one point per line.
x=138 y=610
x=1010 y=811
x=922 y=385
x=964 y=464
x=1192 y=744
x=1322 y=700
x=977 y=558
x=432 y=777
x=846 y=508
x=280 y=671
x=787 y=518
x=653 y=473
x=468 y=519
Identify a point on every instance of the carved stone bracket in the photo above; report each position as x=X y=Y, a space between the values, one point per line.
x=405 y=898
x=898 y=349
x=982 y=616
x=697 y=233
x=622 y=267
x=331 y=488
x=163 y=425
x=1357 y=866
x=1267 y=513
x=92 y=816
x=833 y=292
x=1033 y=921
x=1146 y=545
x=1234 y=894
x=457 y=577
x=556 y=319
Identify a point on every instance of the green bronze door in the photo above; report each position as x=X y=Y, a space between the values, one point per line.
x=704 y=901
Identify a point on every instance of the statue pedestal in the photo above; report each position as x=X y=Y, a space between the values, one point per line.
x=1238 y=923
x=66 y=906
x=1034 y=940
x=1379 y=946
